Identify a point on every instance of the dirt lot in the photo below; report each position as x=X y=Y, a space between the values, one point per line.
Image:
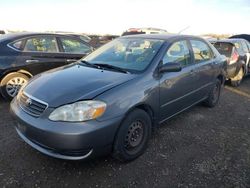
x=202 y=147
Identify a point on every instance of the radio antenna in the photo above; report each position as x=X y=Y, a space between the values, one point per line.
x=184 y=29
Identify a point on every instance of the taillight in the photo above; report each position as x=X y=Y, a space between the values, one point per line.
x=234 y=58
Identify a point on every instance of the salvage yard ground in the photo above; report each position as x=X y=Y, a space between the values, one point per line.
x=201 y=147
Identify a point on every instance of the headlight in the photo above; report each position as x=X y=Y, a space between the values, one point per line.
x=79 y=111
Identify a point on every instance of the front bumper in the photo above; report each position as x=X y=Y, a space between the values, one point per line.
x=51 y=152
x=65 y=140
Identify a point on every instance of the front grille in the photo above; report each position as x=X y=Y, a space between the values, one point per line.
x=71 y=153
x=31 y=105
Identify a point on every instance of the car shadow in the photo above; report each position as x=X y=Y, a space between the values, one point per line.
x=1 y=99
x=243 y=87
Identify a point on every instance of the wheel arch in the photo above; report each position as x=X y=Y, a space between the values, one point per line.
x=6 y=77
x=27 y=73
x=142 y=106
x=22 y=71
x=145 y=107
x=221 y=78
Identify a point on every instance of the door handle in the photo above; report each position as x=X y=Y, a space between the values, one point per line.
x=32 y=61
x=192 y=71
x=71 y=60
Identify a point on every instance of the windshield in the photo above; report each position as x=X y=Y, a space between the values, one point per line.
x=132 y=54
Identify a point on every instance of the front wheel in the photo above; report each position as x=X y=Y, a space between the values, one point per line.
x=133 y=136
x=214 y=95
x=11 y=84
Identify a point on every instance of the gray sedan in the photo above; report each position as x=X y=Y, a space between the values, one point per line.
x=110 y=100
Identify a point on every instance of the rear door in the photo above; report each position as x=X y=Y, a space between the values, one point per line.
x=41 y=53
x=177 y=88
x=73 y=49
x=205 y=67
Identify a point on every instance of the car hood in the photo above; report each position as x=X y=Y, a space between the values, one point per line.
x=73 y=83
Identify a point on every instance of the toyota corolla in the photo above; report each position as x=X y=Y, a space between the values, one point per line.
x=109 y=101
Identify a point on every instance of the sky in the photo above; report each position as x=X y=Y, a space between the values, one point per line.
x=115 y=16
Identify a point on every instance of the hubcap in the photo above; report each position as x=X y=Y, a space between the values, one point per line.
x=134 y=135
x=14 y=85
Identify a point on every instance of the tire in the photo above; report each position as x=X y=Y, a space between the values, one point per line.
x=11 y=84
x=214 y=95
x=133 y=135
x=235 y=82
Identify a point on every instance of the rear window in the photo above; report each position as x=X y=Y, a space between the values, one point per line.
x=17 y=44
x=224 y=48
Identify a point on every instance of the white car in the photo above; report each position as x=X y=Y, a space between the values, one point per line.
x=134 y=31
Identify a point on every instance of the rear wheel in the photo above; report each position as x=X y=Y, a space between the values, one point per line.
x=133 y=136
x=11 y=84
x=214 y=95
x=235 y=81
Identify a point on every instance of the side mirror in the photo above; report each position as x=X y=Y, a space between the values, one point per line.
x=170 y=67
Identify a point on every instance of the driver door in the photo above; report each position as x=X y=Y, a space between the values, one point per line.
x=177 y=88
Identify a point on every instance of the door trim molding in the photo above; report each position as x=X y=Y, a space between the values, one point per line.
x=190 y=93
x=162 y=121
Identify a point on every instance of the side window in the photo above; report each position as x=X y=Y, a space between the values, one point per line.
x=17 y=45
x=178 y=53
x=248 y=45
x=41 y=44
x=244 y=47
x=74 y=46
x=202 y=51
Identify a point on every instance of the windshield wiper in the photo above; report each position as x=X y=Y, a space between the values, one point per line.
x=88 y=64
x=111 y=67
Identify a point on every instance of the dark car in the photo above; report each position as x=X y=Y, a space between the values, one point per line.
x=82 y=36
x=107 y=38
x=23 y=55
x=97 y=40
x=111 y=100
x=241 y=36
x=238 y=58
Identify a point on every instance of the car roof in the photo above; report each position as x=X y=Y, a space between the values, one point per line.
x=161 y=36
x=242 y=36
x=16 y=36
x=231 y=40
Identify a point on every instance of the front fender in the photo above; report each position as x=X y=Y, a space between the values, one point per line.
x=121 y=99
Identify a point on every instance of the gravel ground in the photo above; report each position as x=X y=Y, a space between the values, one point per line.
x=201 y=147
